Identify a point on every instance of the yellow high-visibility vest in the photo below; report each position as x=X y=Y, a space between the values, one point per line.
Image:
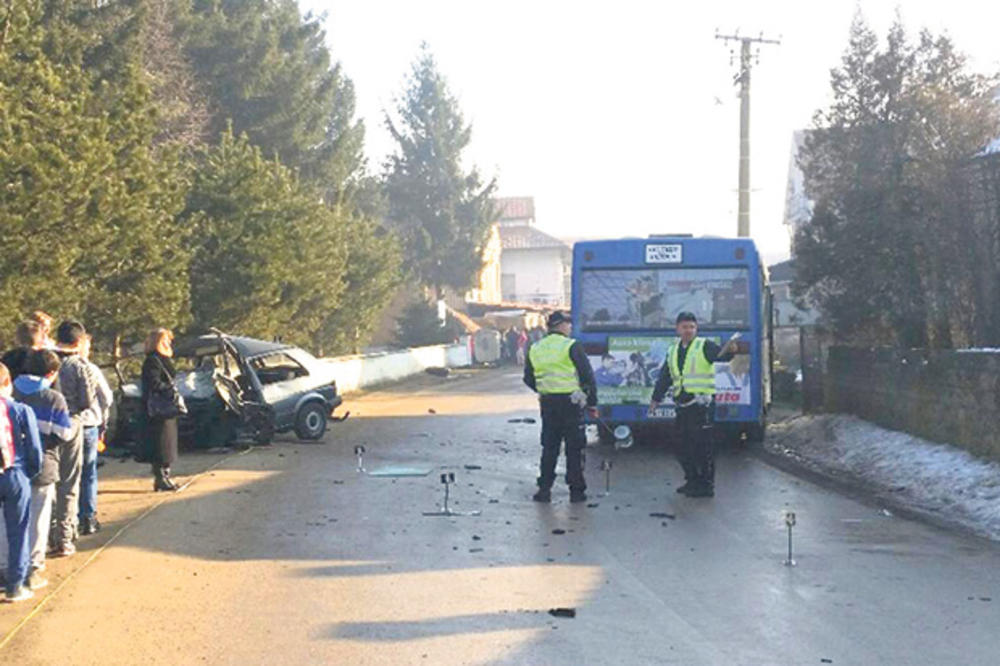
x=698 y=375
x=554 y=369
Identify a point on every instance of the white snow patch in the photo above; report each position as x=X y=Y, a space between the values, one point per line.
x=979 y=350
x=926 y=476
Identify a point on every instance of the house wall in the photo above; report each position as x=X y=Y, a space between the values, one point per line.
x=539 y=275
x=488 y=288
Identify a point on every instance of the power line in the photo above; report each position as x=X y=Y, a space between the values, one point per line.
x=749 y=56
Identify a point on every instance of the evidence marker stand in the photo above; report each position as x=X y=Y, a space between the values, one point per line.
x=623 y=439
x=789 y=523
x=447 y=479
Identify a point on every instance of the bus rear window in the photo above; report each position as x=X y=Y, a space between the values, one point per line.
x=640 y=299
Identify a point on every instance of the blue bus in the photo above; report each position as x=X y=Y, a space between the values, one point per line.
x=626 y=296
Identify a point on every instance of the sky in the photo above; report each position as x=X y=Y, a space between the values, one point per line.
x=621 y=118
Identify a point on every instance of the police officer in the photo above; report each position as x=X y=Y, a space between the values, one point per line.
x=558 y=370
x=689 y=373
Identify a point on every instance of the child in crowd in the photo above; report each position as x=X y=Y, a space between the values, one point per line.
x=29 y=336
x=44 y=322
x=76 y=490
x=20 y=460
x=57 y=430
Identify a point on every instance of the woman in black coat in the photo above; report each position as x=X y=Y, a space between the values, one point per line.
x=161 y=433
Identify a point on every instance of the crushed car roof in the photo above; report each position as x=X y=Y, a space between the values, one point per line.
x=209 y=344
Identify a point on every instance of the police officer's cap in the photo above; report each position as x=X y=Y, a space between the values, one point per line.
x=557 y=318
x=686 y=316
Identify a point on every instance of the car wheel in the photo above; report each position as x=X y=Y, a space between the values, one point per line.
x=310 y=423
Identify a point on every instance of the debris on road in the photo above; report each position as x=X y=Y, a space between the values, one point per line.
x=658 y=514
x=562 y=612
x=432 y=411
x=558 y=531
x=476 y=537
x=593 y=505
x=475 y=550
x=471 y=467
x=526 y=419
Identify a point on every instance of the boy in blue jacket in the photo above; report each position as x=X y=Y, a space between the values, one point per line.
x=20 y=460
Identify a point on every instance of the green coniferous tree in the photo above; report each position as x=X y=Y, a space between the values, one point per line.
x=442 y=213
x=268 y=255
x=372 y=277
x=88 y=210
x=267 y=72
x=891 y=252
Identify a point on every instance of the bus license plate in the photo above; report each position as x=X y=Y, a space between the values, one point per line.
x=663 y=413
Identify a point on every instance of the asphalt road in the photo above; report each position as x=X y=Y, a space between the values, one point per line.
x=288 y=555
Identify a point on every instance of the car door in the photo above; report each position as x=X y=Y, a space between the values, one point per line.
x=283 y=380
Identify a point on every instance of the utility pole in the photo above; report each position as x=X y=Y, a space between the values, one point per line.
x=747 y=59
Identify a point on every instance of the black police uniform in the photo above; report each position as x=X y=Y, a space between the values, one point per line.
x=562 y=420
x=694 y=424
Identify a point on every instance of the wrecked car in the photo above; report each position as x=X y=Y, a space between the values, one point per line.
x=239 y=391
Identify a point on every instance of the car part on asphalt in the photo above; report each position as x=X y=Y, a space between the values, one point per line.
x=622 y=434
x=623 y=437
x=359 y=451
x=396 y=472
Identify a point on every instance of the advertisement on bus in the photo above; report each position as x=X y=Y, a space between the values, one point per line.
x=627 y=372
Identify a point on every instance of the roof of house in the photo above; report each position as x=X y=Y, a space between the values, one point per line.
x=527 y=238
x=516 y=208
x=782 y=272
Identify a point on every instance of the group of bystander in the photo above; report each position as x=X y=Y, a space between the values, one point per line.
x=55 y=407
x=515 y=343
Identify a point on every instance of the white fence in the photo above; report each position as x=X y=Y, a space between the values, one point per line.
x=354 y=373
